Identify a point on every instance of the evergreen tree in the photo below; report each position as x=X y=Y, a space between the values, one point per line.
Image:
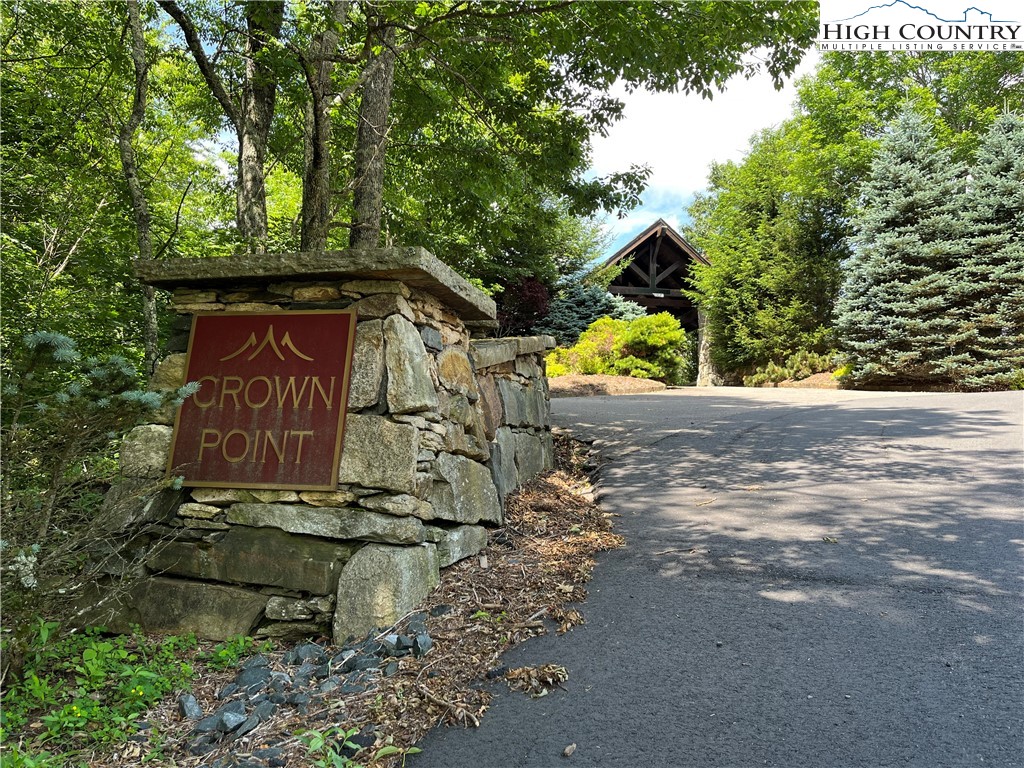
x=895 y=313
x=578 y=306
x=990 y=309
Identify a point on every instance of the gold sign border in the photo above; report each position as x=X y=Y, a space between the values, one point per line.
x=345 y=381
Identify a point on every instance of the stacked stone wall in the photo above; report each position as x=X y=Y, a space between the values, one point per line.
x=440 y=429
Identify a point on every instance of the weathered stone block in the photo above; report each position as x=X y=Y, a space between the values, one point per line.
x=384 y=305
x=145 y=451
x=530 y=345
x=316 y=293
x=328 y=498
x=488 y=352
x=135 y=501
x=379 y=453
x=458 y=440
x=329 y=522
x=503 y=462
x=380 y=584
x=367 y=365
x=548 y=442
x=410 y=388
x=221 y=496
x=536 y=411
x=463 y=491
x=454 y=544
x=431 y=338
x=513 y=403
x=402 y=505
x=456 y=374
x=274 y=497
x=489 y=405
x=297 y=609
x=190 y=296
x=169 y=374
x=529 y=456
x=177 y=607
x=371 y=287
x=201 y=511
x=263 y=556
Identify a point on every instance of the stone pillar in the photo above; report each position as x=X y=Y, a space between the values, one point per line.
x=707 y=375
x=439 y=430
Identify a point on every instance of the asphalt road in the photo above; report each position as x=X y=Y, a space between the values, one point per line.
x=813 y=579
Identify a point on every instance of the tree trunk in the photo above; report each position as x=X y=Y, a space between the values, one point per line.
x=259 y=93
x=316 y=177
x=140 y=208
x=371 y=141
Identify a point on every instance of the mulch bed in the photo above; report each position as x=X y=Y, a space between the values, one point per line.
x=525 y=583
x=577 y=385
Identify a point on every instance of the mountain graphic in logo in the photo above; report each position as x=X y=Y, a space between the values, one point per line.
x=268 y=341
x=902 y=6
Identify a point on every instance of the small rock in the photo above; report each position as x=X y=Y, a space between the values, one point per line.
x=440 y=610
x=344 y=661
x=279 y=684
x=497 y=672
x=250 y=723
x=322 y=671
x=265 y=711
x=418 y=623
x=330 y=684
x=203 y=745
x=310 y=652
x=422 y=644
x=189 y=708
x=256 y=661
x=364 y=739
x=227 y=690
x=299 y=699
x=391 y=669
x=279 y=698
x=273 y=756
x=569 y=750
x=404 y=643
x=210 y=724
x=232 y=720
x=366 y=662
x=254 y=679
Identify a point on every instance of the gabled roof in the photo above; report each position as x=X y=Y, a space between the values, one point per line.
x=660 y=228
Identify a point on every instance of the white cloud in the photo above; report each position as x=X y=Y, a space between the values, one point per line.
x=679 y=135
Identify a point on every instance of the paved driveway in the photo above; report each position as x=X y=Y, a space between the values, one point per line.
x=813 y=579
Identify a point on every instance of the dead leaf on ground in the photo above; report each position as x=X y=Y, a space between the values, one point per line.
x=569 y=750
x=536 y=681
x=706 y=502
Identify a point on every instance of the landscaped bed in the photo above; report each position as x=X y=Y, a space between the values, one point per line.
x=525 y=583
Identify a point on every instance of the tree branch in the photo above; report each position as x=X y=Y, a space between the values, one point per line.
x=195 y=45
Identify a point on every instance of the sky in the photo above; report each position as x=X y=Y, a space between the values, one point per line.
x=679 y=135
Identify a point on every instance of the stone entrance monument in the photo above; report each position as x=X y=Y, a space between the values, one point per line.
x=439 y=427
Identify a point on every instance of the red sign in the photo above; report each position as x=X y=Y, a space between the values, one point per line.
x=270 y=409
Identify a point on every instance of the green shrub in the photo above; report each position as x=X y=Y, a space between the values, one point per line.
x=798 y=366
x=647 y=347
x=85 y=690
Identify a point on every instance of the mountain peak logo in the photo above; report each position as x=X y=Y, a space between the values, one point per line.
x=268 y=341
x=939 y=25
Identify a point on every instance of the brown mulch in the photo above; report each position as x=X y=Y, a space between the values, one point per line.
x=578 y=385
x=816 y=381
x=522 y=585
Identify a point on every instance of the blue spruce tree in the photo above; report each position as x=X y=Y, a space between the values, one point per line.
x=894 y=317
x=990 y=280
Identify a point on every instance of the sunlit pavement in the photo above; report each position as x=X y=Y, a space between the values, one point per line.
x=813 y=578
